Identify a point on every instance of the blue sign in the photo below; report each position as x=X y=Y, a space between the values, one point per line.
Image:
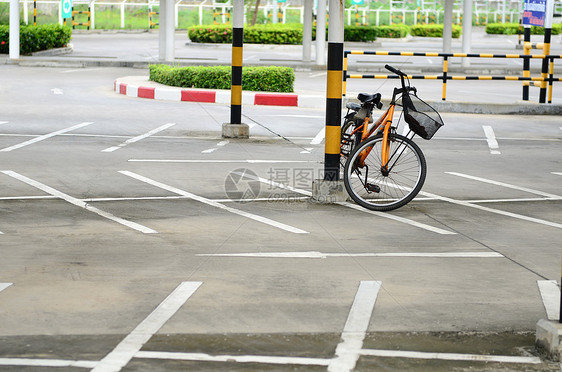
x=357 y=2
x=66 y=8
x=534 y=12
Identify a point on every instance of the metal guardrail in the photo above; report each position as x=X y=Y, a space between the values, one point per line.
x=84 y=12
x=545 y=81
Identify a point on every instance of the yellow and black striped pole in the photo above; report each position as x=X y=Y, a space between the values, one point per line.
x=34 y=12
x=237 y=48
x=550 y=79
x=334 y=92
x=526 y=61
x=544 y=70
x=445 y=69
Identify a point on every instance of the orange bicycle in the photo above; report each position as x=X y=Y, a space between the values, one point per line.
x=385 y=170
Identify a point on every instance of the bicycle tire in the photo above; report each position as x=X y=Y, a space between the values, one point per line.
x=347 y=144
x=370 y=188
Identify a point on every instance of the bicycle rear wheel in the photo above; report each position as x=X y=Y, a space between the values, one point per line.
x=372 y=186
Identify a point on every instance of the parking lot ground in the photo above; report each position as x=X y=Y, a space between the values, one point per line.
x=112 y=260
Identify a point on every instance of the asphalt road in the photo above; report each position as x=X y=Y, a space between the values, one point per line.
x=120 y=237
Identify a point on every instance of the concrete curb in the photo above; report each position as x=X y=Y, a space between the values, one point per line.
x=143 y=88
x=548 y=338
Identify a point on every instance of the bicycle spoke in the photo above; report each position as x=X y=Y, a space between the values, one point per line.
x=380 y=191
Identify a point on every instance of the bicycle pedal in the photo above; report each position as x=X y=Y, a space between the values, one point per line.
x=372 y=188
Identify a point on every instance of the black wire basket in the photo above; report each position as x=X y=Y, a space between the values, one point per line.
x=421 y=117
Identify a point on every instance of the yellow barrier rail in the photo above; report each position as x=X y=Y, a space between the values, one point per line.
x=543 y=80
x=151 y=23
x=85 y=12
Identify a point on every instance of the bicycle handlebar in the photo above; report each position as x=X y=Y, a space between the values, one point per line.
x=394 y=70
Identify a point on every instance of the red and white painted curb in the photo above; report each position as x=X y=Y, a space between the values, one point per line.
x=215 y=96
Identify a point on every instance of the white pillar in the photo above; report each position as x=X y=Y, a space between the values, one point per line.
x=14 y=29
x=176 y=14
x=307 y=30
x=25 y=16
x=466 y=30
x=123 y=14
x=321 y=33
x=92 y=15
x=162 y=31
x=170 y=30
x=448 y=26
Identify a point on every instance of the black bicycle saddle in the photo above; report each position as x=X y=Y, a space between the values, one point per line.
x=370 y=98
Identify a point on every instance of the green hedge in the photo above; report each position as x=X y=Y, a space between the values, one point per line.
x=36 y=38
x=273 y=34
x=370 y=33
x=393 y=31
x=433 y=31
x=288 y=34
x=359 y=33
x=262 y=78
x=258 y=34
x=513 y=28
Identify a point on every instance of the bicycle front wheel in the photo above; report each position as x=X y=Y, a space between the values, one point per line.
x=384 y=187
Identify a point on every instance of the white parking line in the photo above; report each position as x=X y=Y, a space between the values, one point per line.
x=399 y=219
x=557 y=173
x=485 y=180
x=491 y=210
x=450 y=356
x=45 y=136
x=30 y=362
x=138 y=138
x=319 y=137
x=126 y=350
x=210 y=202
x=219 y=145
x=356 y=207
x=4 y=286
x=318 y=74
x=233 y=358
x=28 y=197
x=276 y=184
x=479 y=201
x=249 y=161
x=550 y=294
x=3 y=122
x=78 y=202
x=491 y=139
x=314 y=254
x=355 y=329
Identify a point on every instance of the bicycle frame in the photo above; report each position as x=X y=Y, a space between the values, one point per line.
x=383 y=123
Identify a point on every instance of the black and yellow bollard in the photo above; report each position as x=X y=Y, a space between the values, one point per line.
x=330 y=189
x=235 y=128
x=545 y=61
x=236 y=86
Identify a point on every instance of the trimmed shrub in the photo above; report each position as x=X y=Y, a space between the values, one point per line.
x=433 y=31
x=273 y=34
x=502 y=28
x=393 y=31
x=288 y=34
x=359 y=33
x=258 y=34
x=36 y=38
x=261 y=78
x=513 y=29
